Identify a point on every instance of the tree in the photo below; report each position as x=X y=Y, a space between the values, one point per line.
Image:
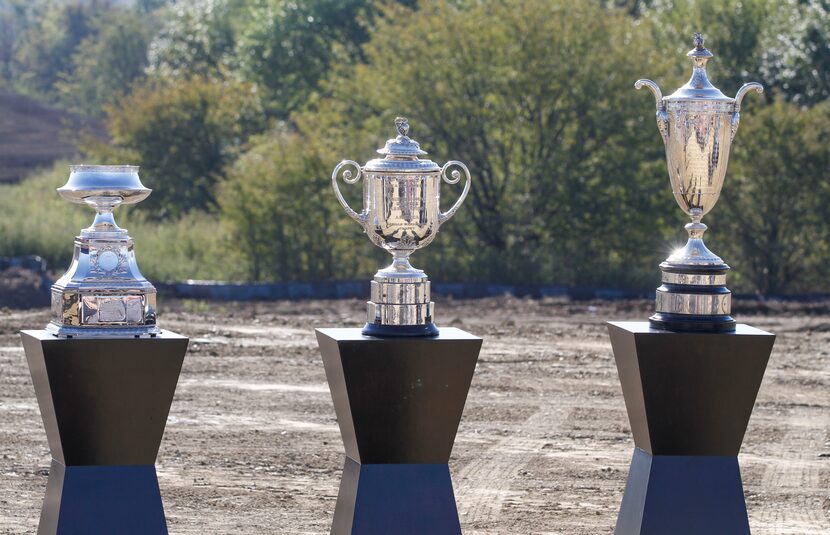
x=46 y=48
x=197 y=38
x=796 y=58
x=183 y=135
x=287 y=47
x=559 y=152
x=281 y=214
x=774 y=203
x=108 y=62
x=784 y=43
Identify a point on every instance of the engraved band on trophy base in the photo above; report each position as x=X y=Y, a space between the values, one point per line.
x=400 y=301
x=693 y=300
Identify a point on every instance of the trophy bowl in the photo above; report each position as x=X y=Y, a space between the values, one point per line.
x=697 y=152
x=89 y=181
x=401 y=214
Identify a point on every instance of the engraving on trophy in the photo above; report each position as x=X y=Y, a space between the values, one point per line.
x=697 y=123
x=108 y=260
x=401 y=214
x=112 y=310
x=103 y=293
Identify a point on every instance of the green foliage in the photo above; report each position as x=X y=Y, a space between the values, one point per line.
x=44 y=51
x=197 y=37
x=282 y=47
x=287 y=47
x=797 y=58
x=569 y=177
x=37 y=221
x=279 y=208
x=511 y=88
x=106 y=63
x=183 y=135
x=773 y=218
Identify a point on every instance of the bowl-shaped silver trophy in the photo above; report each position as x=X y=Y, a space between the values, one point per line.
x=697 y=123
x=103 y=293
x=401 y=213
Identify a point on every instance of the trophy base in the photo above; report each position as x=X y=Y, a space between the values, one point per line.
x=693 y=298
x=399 y=331
x=400 y=305
x=689 y=323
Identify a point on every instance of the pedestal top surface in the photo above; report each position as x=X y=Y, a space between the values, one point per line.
x=642 y=327
x=44 y=335
x=354 y=333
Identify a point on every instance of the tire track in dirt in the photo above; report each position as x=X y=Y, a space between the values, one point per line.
x=796 y=479
x=490 y=475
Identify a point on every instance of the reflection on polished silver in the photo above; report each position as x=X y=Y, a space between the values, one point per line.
x=401 y=213
x=691 y=279
x=697 y=123
x=103 y=293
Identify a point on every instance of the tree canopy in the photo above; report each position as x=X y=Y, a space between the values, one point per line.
x=237 y=111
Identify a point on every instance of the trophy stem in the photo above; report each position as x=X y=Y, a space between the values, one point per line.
x=696 y=228
x=104 y=218
x=401 y=266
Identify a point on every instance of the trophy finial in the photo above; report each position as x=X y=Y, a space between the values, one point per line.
x=699 y=54
x=402 y=124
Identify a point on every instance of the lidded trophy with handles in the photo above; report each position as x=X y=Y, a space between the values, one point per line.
x=697 y=123
x=401 y=214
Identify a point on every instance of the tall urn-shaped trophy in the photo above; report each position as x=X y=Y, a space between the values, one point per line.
x=690 y=375
x=697 y=123
x=104 y=373
x=399 y=384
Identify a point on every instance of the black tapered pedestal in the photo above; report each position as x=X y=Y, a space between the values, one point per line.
x=104 y=403
x=398 y=403
x=689 y=397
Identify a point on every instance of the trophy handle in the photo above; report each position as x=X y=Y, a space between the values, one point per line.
x=739 y=97
x=347 y=178
x=662 y=116
x=456 y=176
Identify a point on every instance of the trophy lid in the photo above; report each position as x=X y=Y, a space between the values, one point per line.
x=698 y=87
x=88 y=181
x=401 y=154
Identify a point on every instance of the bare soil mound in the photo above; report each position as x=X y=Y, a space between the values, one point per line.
x=35 y=135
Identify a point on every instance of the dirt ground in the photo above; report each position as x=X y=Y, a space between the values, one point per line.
x=252 y=445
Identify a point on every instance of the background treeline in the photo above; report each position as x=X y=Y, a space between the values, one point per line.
x=237 y=110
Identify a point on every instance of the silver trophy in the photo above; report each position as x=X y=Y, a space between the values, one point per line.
x=697 y=123
x=103 y=293
x=401 y=214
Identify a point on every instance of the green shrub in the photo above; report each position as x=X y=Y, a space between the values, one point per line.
x=35 y=220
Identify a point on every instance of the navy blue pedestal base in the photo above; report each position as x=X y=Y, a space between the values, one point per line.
x=81 y=500
x=404 y=499
x=399 y=331
x=683 y=495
